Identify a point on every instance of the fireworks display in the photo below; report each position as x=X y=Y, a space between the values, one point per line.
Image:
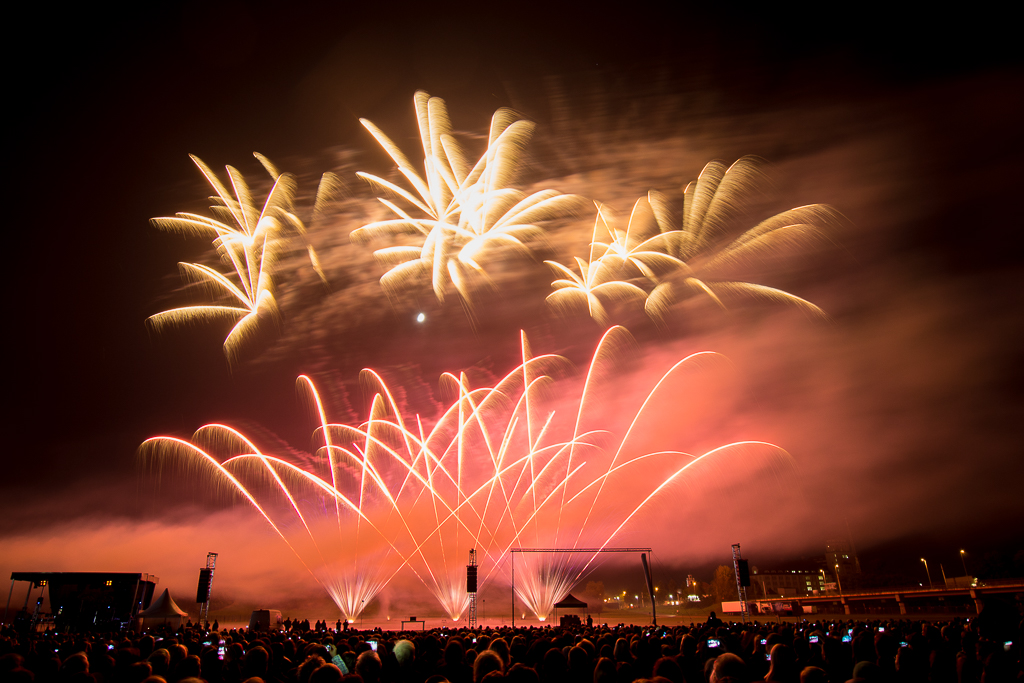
x=469 y=216
x=637 y=167
x=501 y=468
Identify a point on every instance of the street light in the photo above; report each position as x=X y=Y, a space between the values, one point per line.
x=926 y=570
x=840 y=583
x=962 y=553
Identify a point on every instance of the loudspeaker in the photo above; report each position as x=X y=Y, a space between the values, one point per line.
x=744 y=569
x=471 y=578
x=203 y=590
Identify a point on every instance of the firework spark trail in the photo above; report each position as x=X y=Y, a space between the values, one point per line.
x=636 y=418
x=351 y=591
x=469 y=211
x=633 y=247
x=594 y=281
x=348 y=590
x=249 y=239
x=162 y=446
x=565 y=571
x=486 y=475
x=419 y=452
x=659 y=262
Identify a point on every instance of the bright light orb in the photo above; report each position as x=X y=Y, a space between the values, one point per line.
x=420 y=317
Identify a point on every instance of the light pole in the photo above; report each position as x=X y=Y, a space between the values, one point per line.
x=928 y=572
x=962 y=553
x=824 y=579
x=838 y=582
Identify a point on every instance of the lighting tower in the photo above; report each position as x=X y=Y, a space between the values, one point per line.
x=471 y=588
x=742 y=577
x=205 y=586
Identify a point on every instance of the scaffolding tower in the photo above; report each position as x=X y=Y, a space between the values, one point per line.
x=471 y=570
x=741 y=584
x=206 y=577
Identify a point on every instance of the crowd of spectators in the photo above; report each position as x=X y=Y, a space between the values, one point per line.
x=900 y=651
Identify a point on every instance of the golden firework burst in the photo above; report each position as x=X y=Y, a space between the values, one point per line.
x=249 y=239
x=468 y=211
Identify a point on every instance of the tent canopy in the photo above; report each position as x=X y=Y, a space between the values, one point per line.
x=163 y=607
x=570 y=602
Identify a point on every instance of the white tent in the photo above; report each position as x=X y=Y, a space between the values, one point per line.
x=163 y=610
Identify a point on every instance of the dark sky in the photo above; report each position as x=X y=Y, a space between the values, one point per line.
x=910 y=125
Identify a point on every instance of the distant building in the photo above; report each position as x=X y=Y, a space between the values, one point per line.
x=841 y=558
x=788 y=583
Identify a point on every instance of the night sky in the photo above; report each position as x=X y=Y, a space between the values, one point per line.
x=903 y=411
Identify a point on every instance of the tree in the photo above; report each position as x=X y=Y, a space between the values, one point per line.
x=723 y=586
